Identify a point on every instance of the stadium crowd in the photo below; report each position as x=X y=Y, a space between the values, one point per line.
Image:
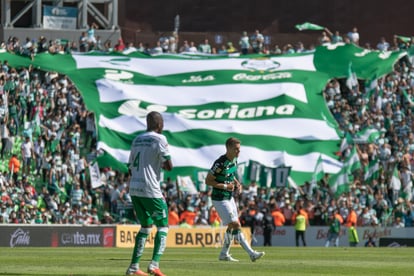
x=48 y=139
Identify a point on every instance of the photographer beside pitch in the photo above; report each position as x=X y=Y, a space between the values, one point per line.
x=223 y=180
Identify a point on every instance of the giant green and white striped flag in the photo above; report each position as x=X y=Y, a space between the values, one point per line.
x=273 y=104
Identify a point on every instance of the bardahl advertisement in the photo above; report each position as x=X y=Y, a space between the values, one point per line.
x=177 y=237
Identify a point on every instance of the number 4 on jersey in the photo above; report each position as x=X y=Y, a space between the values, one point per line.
x=136 y=161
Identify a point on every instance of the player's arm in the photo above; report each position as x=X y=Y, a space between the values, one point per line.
x=167 y=165
x=238 y=188
x=211 y=181
x=166 y=156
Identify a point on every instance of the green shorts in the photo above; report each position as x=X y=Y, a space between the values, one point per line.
x=151 y=211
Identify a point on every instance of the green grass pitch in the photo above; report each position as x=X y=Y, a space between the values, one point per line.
x=204 y=261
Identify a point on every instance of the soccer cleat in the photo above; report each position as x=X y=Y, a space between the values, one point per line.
x=136 y=272
x=256 y=255
x=227 y=258
x=152 y=270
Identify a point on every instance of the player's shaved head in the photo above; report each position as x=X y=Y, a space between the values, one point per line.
x=155 y=122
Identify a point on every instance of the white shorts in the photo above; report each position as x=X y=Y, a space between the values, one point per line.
x=227 y=210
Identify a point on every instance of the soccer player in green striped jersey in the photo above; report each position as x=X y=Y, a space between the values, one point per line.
x=222 y=177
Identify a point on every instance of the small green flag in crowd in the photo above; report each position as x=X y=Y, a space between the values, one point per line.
x=404 y=38
x=309 y=26
x=373 y=171
x=339 y=183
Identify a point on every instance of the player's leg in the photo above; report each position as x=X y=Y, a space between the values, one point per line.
x=239 y=237
x=224 y=210
x=238 y=234
x=141 y=237
x=158 y=207
x=228 y=240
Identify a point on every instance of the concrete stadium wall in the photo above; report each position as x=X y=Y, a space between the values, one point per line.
x=373 y=18
x=146 y=21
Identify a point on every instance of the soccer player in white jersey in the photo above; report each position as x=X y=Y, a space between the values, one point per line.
x=222 y=177
x=149 y=155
